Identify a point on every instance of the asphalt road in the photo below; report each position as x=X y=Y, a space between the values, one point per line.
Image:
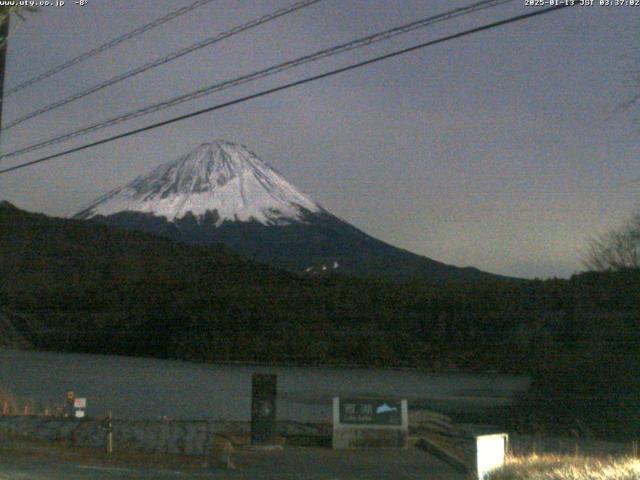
x=22 y=459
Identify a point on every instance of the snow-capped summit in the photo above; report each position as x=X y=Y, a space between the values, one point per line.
x=221 y=177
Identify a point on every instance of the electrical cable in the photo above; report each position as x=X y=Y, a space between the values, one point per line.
x=353 y=44
x=106 y=46
x=292 y=84
x=163 y=60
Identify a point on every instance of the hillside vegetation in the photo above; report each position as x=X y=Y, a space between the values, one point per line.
x=75 y=286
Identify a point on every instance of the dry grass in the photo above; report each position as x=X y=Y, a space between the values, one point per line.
x=10 y=404
x=555 y=467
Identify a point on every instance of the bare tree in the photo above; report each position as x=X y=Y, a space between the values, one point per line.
x=632 y=82
x=617 y=249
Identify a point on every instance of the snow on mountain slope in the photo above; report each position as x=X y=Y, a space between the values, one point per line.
x=220 y=176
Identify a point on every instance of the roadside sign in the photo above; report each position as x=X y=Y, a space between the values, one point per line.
x=70 y=396
x=79 y=413
x=370 y=422
x=80 y=403
x=365 y=411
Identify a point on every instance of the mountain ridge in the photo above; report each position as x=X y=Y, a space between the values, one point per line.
x=222 y=193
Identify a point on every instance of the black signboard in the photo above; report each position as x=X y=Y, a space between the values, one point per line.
x=367 y=411
x=263 y=409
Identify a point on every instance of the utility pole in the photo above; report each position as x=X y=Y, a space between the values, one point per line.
x=4 y=38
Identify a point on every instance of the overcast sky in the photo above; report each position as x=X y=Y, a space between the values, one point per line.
x=502 y=150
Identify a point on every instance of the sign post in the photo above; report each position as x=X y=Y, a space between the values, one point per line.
x=110 y=433
x=263 y=409
x=369 y=422
x=69 y=411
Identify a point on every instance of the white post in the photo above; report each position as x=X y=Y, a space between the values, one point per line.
x=110 y=433
x=490 y=452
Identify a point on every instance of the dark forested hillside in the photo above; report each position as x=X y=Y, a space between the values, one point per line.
x=322 y=242
x=95 y=288
x=78 y=286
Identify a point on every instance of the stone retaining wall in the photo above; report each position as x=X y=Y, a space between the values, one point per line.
x=190 y=437
x=180 y=437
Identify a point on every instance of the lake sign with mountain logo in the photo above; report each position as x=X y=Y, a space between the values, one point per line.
x=369 y=423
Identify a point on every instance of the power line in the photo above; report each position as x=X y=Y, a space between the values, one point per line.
x=163 y=60
x=293 y=84
x=353 y=44
x=110 y=44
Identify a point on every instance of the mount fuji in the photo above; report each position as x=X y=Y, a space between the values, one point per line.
x=222 y=193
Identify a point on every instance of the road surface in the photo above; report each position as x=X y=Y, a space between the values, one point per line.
x=22 y=459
